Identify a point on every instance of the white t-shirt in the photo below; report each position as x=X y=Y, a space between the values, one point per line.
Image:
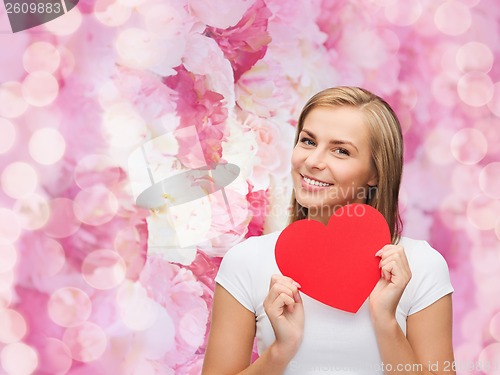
x=334 y=341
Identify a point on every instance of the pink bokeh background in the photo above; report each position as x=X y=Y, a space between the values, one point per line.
x=81 y=289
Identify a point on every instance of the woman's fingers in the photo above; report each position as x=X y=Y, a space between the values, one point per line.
x=279 y=282
x=278 y=289
x=283 y=280
x=386 y=272
x=283 y=291
x=394 y=263
x=281 y=300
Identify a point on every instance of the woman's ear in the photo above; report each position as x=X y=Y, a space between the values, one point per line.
x=373 y=181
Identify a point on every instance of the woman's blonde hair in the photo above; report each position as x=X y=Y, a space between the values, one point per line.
x=386 y=143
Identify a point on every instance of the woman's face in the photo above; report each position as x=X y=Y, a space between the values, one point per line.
x=331 y=162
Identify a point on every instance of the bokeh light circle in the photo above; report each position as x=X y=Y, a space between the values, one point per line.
x=7 y=135
x=138 y=312
x=95 y=205
x=12 y=326
x=19 y=180
x=86 y=342
x=103 y=269
x=122 y=116
x=41 y=56
x=40 y=88
x=66 y=25
x=437 y=146
x=475 y=89
x=489 y=358
x=403 y=13
x=483 y=212
x=19 y=359
x=69 y=307
x=62 y=222
x=474 y=56
x=12 y=103
x=8 y=256
x=47 y=146
x=452 y=18
x=55 y=357
x=10 y=229
x=111 y=12
x=33 y=211
x=469 y=146
x=96 y=169
x=489 y=180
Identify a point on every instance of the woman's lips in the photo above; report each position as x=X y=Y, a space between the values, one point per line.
x=310 y=187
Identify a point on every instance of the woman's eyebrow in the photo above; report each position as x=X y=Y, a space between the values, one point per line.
x=333 y=141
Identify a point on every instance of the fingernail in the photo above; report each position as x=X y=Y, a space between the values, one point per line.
x=378 y=253
x=297 y=284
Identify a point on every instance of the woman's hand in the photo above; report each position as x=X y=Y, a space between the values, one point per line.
x=395 y=275
x=283 y=306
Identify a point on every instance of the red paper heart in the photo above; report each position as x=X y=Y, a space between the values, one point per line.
x=335 y=264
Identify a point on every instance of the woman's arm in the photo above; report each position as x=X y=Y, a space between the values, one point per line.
x=232 y=332
x=427 y=348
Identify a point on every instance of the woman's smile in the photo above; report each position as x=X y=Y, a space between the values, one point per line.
x=312 y=184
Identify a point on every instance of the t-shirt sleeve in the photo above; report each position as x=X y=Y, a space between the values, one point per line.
x=235 y=274
x=430 y=277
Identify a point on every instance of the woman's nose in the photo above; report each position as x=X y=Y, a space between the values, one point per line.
x=315 y=159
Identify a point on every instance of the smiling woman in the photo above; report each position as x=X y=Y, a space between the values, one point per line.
x=348 y=149
x=331 y=162
x=372 y=144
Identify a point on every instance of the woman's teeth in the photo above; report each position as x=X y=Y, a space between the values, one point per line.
x=314 y=182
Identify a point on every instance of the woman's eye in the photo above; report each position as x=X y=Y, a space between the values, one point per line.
x=307 y=141
x=342 y=151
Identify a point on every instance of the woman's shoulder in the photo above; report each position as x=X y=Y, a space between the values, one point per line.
x=430 y=278
x=421 y=253
x=254 y=247
x=247 y=267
